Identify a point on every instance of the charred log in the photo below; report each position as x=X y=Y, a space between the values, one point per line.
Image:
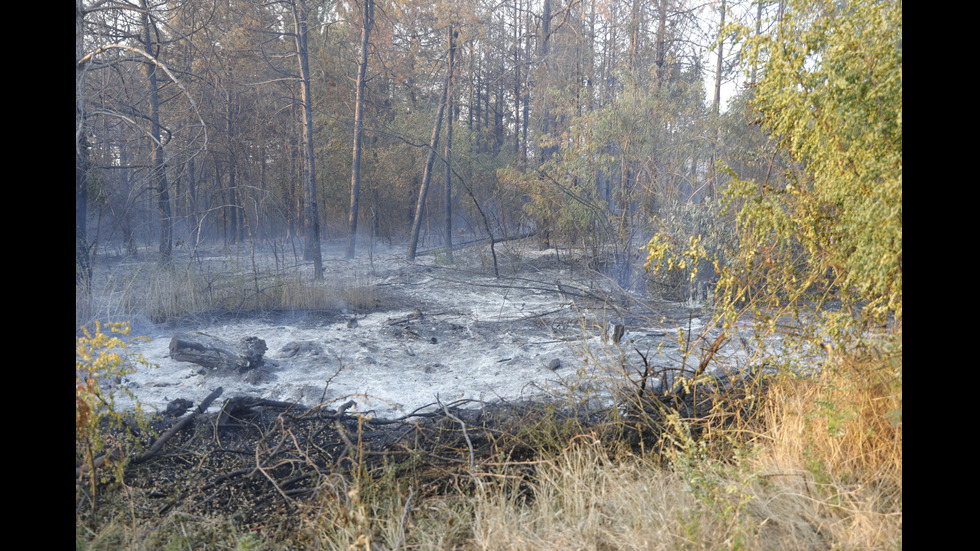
x=213 y=353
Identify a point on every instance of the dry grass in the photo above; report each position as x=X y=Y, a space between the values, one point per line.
x=801 y=483
x=819 y=468
x=834 y=446
x=796 y=477
x=585 y=500
x=147 y=290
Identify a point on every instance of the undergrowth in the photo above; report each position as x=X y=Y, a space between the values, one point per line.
x=147 y=290
x=792 y=476
x=104 y=435
x=790 y=461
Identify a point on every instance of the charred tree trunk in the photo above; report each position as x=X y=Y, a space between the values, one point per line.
x=517 y=80
x=312 y=249
x=83 y=267
x=449 y=145
x=716 y=104
x=213 y=353
x=158 y=163
x=355 y=179
x=548 y=119
x=235 y=209
x=427 y=175
x=661 y=41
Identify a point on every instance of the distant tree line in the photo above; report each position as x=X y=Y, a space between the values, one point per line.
x=584 y=121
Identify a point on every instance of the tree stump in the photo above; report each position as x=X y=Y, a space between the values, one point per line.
x=213 y=353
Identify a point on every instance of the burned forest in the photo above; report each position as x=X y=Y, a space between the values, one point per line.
x=525 y=274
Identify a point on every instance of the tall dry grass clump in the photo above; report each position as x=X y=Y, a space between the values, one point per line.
x=833 y=451
x=584 y=499
x=591 y=498
x=147 y=290
x=819 y=468
x=848 y=419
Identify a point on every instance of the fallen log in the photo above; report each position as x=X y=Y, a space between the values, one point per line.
x=158 y=445
x=118 y=453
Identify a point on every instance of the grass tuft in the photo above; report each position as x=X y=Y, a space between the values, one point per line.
x=146 y=290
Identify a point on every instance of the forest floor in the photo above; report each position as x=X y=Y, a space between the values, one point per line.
x=440 y=332
x=440 y=371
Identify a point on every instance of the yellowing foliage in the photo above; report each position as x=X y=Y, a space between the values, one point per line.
x=831 y=96
x=101 y=361
x=825 y=234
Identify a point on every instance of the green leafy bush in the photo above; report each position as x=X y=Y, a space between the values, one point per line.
x=830 y=229
x=692 y=241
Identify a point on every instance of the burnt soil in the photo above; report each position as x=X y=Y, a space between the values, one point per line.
x=262 y=463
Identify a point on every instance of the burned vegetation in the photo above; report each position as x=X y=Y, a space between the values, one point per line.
x=263 y=463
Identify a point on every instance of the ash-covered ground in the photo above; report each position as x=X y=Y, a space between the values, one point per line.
x=444 y=332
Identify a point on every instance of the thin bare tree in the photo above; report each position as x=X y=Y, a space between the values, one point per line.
x=449 y=145
x=427 y=175
x=300 y=13
x=355 y=178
